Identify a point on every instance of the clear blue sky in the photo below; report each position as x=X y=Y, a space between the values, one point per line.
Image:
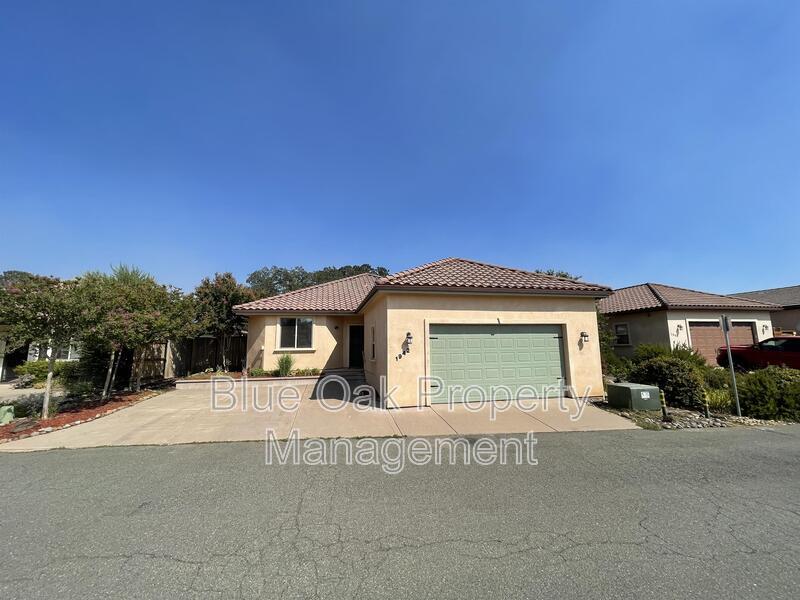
x=623 y=141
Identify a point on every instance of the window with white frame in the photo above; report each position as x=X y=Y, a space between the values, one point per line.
x=372 y=338
x=295 y=333
x=71 y=352
x=622 y=336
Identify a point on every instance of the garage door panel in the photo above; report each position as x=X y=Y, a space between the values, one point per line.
x=508 y=355
x=707 y=336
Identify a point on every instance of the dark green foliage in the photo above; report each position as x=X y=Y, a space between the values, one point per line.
x=613 y=365
x=558 y=273
x=645 y=352
x=38 y=368
x=213 y=302
x=12 y=279
x=771 y=393
x=616 y=366
x=678 y=379
x=690 y=355
x=716 y=379
x=87 y=375
x=270 y=281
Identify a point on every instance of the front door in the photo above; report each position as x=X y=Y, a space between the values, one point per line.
x=356 y=358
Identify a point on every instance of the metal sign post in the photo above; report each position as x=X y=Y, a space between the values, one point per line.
x=726 y=326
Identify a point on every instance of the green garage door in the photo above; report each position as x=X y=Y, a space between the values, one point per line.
x=493 y=355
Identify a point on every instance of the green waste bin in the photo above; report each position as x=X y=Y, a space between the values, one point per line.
x=633 y=396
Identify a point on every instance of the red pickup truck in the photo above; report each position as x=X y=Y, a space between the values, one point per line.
x=780 y=351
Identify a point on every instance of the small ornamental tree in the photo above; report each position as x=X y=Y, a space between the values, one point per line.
x=130 y=309
x=214 y=300
x=146 y=313
x=102 y=296
x=43 y=311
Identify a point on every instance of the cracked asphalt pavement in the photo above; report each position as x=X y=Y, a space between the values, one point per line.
x=624 y=514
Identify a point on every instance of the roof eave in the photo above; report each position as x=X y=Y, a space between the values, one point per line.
x=293 y=311
x=476 y=290
x=692 y=307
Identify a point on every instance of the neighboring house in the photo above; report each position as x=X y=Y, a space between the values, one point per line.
x=10 y=360
x=788 y=298
x=466 y=322
x=653 y=313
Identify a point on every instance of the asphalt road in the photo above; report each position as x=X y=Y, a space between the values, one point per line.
x=626 y=514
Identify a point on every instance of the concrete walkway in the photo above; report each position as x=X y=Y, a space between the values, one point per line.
x=185 y=416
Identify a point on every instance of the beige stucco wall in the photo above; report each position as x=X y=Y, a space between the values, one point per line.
x=414 y=313
x=328 y=350
x=787 y=319
x=643 y=328
x=375 y=317
x=681 y=336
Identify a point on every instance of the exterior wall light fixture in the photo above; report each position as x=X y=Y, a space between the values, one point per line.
x=407 y=343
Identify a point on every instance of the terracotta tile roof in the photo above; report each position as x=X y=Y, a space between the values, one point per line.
x=449 y=274
x=457 y=273
x=342 y=295
x=656 y=296
x=787 y=297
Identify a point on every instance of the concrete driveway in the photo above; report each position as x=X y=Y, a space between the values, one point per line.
x=185 y=416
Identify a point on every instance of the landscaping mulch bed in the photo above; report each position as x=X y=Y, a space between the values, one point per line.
x=686 y=419
x=202 y=376
x=73 y=414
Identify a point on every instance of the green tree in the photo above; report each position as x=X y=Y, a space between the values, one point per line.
x=42 y=311
x=270 y=281
x=130 y=309
x=214 y=300
x=12 y=278
x=558 y=273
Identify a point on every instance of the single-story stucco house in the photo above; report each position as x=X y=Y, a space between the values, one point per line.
x=465 y=322
x=653 y=313
x=788 y=298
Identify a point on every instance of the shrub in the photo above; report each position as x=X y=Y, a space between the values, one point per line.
x=716 y=378
x=771 y=393
x=719 y=400
x=38 y=368
x=645 y=352
x=677 y=378
x=285 y=364
x=306 y=372
x=617 y=367
x=28 y=406
x=258 y=372
x=690 y=355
